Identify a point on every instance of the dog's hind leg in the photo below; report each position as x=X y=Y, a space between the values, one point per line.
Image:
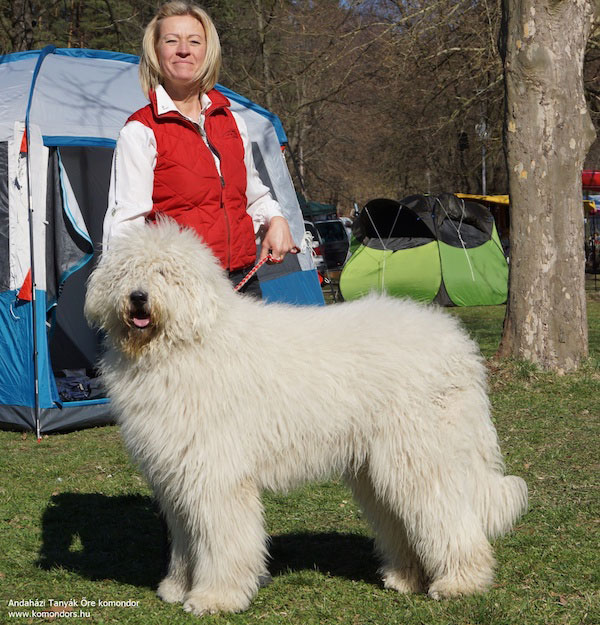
x=401 y=570
x=442 y=528
x=229 y=551
x=456 y=553
x=176 y=583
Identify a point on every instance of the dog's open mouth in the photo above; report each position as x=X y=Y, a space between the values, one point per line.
x=140 y=320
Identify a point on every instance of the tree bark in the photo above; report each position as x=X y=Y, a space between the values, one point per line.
x=548 y=132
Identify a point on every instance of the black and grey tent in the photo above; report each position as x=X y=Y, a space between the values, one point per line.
x=431 y=248
x=60 y=113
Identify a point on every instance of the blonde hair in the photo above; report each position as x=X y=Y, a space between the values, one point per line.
x=150 y=72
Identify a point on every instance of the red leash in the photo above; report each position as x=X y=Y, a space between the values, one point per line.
x=254 y=269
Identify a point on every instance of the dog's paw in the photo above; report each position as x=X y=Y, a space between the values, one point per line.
x=403 y=580
x=199 y=603
x=171 y=591
x=435 y=595
x=438 y=592
x=451 y=586
x=197 y=607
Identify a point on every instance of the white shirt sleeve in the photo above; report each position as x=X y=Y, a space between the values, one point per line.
x=261 y=206
x=131 y=180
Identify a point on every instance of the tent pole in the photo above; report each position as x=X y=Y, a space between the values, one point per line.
x=33 y=293
x=36 y=384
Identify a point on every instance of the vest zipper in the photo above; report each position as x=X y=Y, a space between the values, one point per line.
x=214 y=150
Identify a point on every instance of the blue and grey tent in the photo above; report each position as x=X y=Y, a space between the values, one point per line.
x=60 y=114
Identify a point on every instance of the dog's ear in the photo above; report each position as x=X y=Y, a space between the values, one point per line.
x=208 y=292
x=94 y=308
x=209 y=307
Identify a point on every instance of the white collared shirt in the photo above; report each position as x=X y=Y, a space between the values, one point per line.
x=132 y=174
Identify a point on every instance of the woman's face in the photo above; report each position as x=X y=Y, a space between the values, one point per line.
x=181 y=50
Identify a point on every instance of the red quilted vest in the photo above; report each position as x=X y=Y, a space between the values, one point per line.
x=187 y=185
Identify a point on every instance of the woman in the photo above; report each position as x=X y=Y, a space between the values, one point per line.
x=187 y=155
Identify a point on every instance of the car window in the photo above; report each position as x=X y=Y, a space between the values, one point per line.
x=332 y=231
x=310 y=228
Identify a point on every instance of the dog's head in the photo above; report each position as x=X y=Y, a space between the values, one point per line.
x=156 y=283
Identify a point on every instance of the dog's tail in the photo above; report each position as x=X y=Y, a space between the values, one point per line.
x=506 y=502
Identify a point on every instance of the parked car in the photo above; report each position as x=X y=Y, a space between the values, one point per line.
x=334 y=242
x=348 y=225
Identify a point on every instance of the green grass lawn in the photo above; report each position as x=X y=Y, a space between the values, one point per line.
x=78 y=522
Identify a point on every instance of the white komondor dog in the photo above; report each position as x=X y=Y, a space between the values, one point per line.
x=220 y=396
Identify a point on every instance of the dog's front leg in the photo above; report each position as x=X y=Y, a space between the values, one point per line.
x=229 y=550
x=176 y=584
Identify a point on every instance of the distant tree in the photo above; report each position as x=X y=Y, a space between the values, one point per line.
x=308 y=62
x=19 y=21
x=591 y=77
x=102 y=24
x=548 y=132
x=378 y=97
x=447 y=77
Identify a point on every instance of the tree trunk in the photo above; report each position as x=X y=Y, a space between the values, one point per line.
x=548 y=132
x=264 y=54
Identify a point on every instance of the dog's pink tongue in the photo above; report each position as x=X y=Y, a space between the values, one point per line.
x=141 y=323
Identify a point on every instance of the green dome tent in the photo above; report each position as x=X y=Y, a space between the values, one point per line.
x=431 y=248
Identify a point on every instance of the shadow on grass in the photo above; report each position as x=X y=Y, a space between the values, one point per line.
x=122 y=538
x=341 y=555
x=99 y=537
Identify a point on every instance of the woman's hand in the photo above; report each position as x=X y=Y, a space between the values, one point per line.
x=278 y=240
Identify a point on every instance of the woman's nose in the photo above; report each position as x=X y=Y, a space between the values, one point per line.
x=183 y=49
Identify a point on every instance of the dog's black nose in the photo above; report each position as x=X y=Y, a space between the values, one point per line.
x=138 y=298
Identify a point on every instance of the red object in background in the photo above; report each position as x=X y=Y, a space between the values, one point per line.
x=25 y=290
x=23 y=149
x=590 y=180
